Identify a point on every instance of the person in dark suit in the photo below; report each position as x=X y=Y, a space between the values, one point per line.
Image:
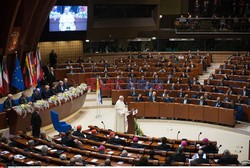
x=173 y=87
x=53 y=90
x=164 y=93
x=195 y=81
x=153 y=98
x=209 y=147
x=181 y=93
x=36 y=123
x=245 y=92
x=139 y=98
x=23 y=99
x=239 y=99
x=36 y=95
x=135 y=143
x=59 y=87
x=128 y=69
x=202 y=101
x=200 y=158
x=151 y=155
x=133 y=92
x=178 y=156
x=9 y=102
x=44 y=80
x=67 y=140
x=168 y=99
x=78 y=132
x=227 y=159
x=227 y=99
x=186 y=100
x=169 y=80
x=52 y=58
x=93 y=136
x=218 y=103
x=51 y=76
x=46 y=92
x=163 y=146
x=132 y=74
x=66 y=85
x=140 y=56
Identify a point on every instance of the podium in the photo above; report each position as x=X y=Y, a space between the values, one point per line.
x=131 y=123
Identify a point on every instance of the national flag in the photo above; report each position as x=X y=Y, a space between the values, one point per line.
x=6 y=80
x=27 y=72
x=32 y=62
x=98 y=92
x=1 y=80
x=17 y=76
x=39 y=71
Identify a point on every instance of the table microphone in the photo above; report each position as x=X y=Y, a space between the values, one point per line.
x=199 y=136
x=178 y=134
x=103 y=124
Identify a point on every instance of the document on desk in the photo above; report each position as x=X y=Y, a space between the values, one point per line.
x=4 y=152
x=18 y=156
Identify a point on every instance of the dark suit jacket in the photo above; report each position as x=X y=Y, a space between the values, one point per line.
x=209 y=149
x=201 y=160
x=68 y=141
x=36 y=120
x=59 y=89
x=52 y=91
x=66 y=86
x=46 y=94
x=138 y=100
x=116 y=141
x=93 y=137
x=168 y=100
x=78 y=134
x=151 y=98
x=8 y=104
x=36 y=97
x=164 y=147
x=228 y=160
x=176 y=157
x=219 y=104
x=23 y=100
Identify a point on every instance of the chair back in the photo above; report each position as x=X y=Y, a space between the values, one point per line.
x=55 y=119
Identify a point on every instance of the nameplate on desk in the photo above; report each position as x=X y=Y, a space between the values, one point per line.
x=159 y=143
x=53 y=150
x=4 y=152
x=30 y=162
x=129 y=154
x=59 y=139
x=120 y=162
x=110 y=152
x=39 y=147
x=94 y=160
x=139 y=142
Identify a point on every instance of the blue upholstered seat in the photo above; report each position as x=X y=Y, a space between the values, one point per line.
x=59 y=126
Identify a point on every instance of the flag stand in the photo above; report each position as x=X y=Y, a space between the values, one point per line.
x=98 y=111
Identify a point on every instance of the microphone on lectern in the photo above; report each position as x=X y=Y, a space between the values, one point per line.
x=178 y=134
x=199 y=136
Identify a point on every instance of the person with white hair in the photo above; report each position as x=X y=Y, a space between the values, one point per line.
x=227 y=158
x=67 y=21
x=44 y=150
x=63 y=156
x=36 y=95
x=120 y=115
x=79 y=160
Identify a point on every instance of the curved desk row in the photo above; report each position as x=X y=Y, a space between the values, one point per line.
x=184 y=111
x=18 y=123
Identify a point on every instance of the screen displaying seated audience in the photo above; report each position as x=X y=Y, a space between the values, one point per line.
x=68 y=18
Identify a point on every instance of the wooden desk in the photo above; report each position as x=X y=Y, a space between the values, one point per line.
x=3 y=122
x=18 y=123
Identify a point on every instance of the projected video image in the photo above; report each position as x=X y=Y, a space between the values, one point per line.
x=68 y=18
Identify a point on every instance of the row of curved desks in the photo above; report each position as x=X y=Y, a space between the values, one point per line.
x=184 y=111
x=65 y=109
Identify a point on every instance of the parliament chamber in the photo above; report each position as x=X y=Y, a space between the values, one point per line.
x=125 y=83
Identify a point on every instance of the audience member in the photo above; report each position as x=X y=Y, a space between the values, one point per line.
x=9 y=102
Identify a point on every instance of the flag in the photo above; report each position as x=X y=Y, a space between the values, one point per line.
x=39 y=72
x=17 y=76
x=1 y=80
x=27 y=72
x=6 y=80
x=98 y=92
x=32 y=62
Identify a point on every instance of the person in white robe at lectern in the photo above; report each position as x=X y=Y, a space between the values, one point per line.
x=121 y=114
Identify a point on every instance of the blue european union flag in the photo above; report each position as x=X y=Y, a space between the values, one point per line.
x=17 y=76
